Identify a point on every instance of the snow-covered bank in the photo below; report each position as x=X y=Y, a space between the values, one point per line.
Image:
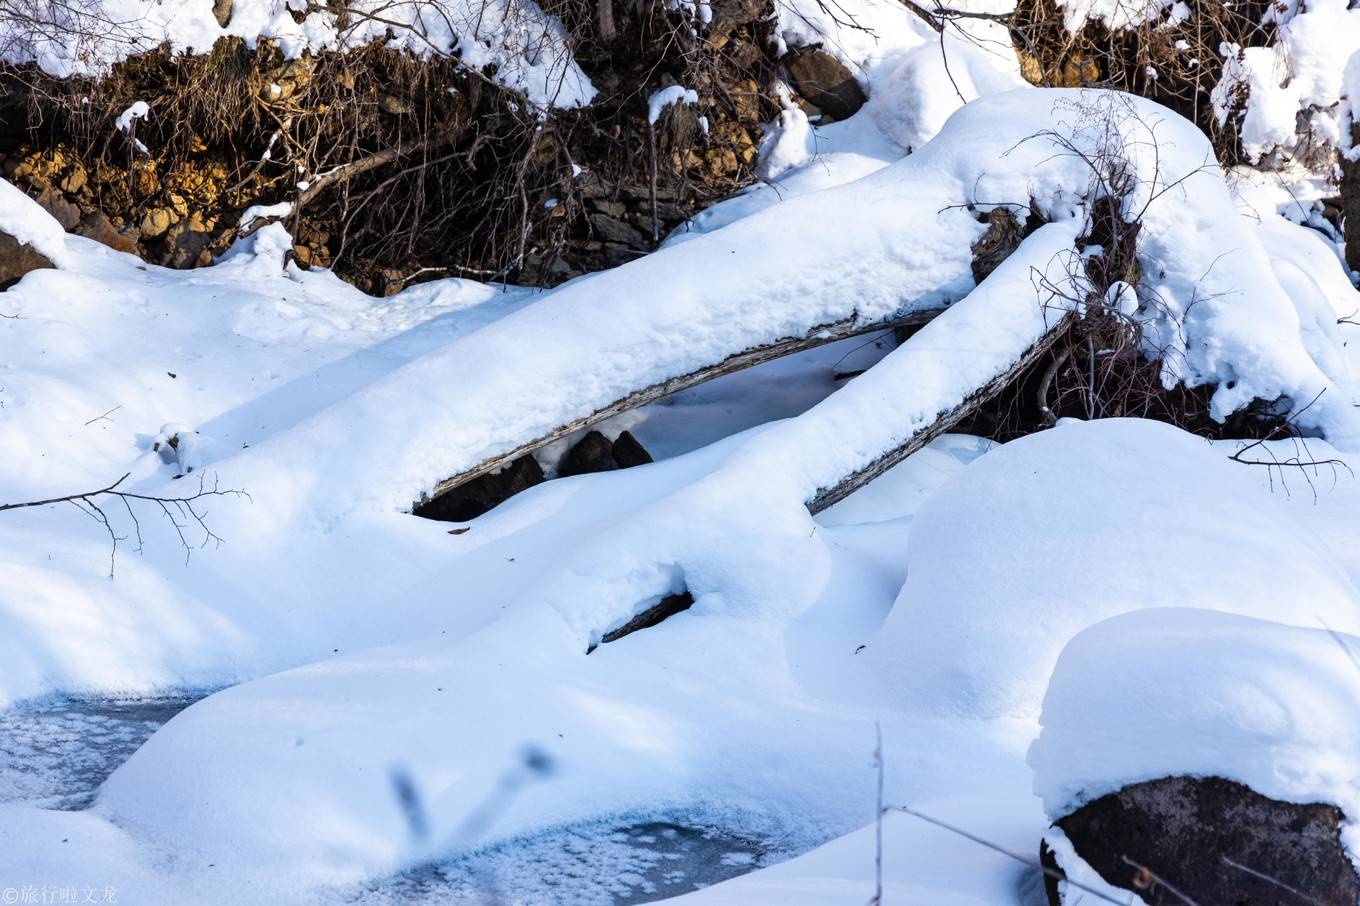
x=528 y=51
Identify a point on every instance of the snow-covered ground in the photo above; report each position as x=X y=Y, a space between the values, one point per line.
x=411 y=712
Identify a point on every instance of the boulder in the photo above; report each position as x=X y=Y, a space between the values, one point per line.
x=825 y=82
x=62 y=211
x=1214 y=841
x=612 y=229
x=156 y=221
x=628 y=452
x=187 y=247
x=596 y=453
x=222 y=11
x=17 y=259
x=592 y=453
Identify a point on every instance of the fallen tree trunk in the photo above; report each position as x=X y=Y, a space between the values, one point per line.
x=948 y=418
x=818 y=336
x=968 y=355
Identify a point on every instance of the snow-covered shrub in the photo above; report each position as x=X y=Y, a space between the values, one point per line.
x=1287 y=98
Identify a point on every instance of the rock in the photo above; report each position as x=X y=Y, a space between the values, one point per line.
x=187 y=247
x=596 y=453
x=17 y=259
x=1182 y=829
x=479 y=495
x=825 y=82
x=395 y=106
x=614 y=230
x=156 y=221
x=98 y=227
x=615 y=209
x=628 y=452
x=222 y=11
x=62 y=211
x=592 y=453
x=74 y=180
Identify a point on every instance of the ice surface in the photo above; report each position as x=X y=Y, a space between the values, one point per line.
x=597 y=864
x=54 y=753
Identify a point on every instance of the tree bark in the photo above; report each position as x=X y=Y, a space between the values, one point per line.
x=1350 y=205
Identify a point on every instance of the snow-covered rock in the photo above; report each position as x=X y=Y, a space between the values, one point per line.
x=1185 y=738
x=1052 y=533
x=1193 y=833
x=1184 y=691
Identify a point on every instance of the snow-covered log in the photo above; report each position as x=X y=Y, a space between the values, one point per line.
x=749 y=358
x=894 y=244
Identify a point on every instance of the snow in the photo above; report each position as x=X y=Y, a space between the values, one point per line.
x=895 y=241
x=265 y=212
x=284 y=749
x=665 y=97
x=22 y=218
x=1300 y=75
x=1182 y=691
x=788 y=143
x=1116 y=15
x=138 y=111
x=401 y=690
x=1015 y=561
x=529 y=49
x=931 y=82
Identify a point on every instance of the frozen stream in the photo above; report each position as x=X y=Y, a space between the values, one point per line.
x=54 y=753
x=601 y=864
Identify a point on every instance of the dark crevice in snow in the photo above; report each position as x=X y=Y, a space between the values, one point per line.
x=667 y=607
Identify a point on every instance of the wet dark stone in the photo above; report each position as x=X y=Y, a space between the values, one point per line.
x=628 y=452
x=470 y=500
x=592 y=453
x=1186 y=831
x=595 y=453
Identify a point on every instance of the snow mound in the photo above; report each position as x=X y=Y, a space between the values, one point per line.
x=932 y=81
x=1183 y=691
x=529 y=49
x=22 y=218
x=1029 y=546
